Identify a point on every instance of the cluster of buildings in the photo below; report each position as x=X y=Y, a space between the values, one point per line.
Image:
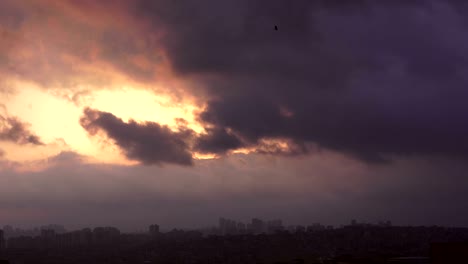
x=10 y=231
x=235 y=242
x=87 y=237
x=81 y=238
x=259 y=226
x=256 y=226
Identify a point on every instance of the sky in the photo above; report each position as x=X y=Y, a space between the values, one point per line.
x=178 y=112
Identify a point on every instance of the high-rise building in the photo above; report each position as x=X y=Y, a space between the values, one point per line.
x=48 y=237
x=154 y=229
x=275 y=226
x=47 y=233
x=2 y=240
x=222 y=226
x=258 y=226
x=300 y=229
x=291 y=229
x=228 y=226
x=316 y=227
x=241 y=228
x=105 y=235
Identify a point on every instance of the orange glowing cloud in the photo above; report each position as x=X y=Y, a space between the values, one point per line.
x=62 y=56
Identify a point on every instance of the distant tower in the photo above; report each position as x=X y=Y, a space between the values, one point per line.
x=154 y=229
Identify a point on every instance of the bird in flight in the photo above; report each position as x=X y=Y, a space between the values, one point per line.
x=276 y=27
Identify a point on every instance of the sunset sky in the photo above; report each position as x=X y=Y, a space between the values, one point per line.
x=177 y=112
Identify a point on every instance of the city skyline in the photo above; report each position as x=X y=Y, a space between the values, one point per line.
x=353 y=243
x=223 y=226
x=135 y=112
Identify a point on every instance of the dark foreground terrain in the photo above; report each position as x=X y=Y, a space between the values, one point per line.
x=349 y=244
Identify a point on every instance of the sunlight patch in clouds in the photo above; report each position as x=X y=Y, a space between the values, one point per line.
x=144 y=105
x=55 y=119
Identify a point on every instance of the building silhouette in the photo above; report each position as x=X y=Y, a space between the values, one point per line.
x=258 y=226
x=274 y=226
x=154 y=230
x=2 y=240
x=229 y=227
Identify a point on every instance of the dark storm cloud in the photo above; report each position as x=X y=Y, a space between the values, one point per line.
x=370 y=79
x=11 y=15
x=148 y=142
x=284 y=148
x=218 y=141
x=12 y=129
